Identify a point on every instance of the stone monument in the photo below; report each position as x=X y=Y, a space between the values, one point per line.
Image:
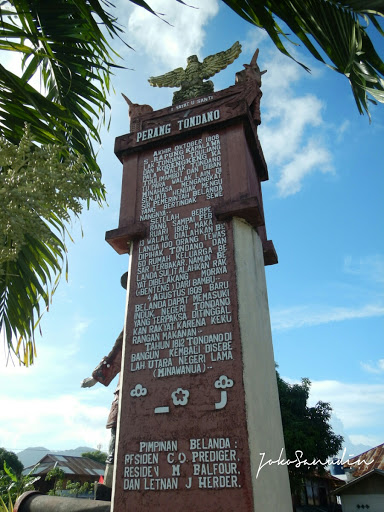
x=198 y=401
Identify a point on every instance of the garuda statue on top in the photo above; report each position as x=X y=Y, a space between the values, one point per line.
x=192 y=78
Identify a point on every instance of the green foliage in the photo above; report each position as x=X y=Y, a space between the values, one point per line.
x=7 y=505
x=334 y=31
x=97 y=455
x=307 y=430
x=5 y=494
x=10 y=458
x=57 y=475
x=40 y=186
x=65 y=47
x=76 y=488
x=13 y=485
x=36 y=182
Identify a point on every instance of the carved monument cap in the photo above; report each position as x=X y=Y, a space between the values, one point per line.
x=191 y=79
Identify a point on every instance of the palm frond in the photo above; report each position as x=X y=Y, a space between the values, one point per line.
x=63 y=43
x=334 y=31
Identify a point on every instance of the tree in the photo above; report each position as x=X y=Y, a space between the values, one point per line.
x=33 y=230
x=97 y=455
x=57 y=475
x=64 y=44
x=307 y=432
x=68 y=44
x=12 y=461
x=76 y=488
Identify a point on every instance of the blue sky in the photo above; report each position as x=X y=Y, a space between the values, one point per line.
x=324 y=212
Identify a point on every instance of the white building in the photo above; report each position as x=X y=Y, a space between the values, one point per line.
x=365 y=492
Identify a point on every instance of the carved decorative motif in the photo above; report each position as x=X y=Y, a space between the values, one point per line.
x=251 y=71
x=191 y=79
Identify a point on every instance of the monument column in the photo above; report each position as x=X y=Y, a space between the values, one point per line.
x=199 y=403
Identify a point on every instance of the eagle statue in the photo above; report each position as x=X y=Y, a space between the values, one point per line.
x=191 y=79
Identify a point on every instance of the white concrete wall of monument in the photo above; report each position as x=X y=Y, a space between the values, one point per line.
x=271 y=490
x=121 y=379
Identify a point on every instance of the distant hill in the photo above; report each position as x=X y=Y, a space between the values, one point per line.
x=30 y=456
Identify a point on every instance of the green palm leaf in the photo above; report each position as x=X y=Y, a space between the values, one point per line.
x=63 y=43
x=335 y=32
x=31 y=264
x=25 y=283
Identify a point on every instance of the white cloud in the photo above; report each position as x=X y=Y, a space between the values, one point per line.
x=254 y=39
x=373 y=367
x=293 y=130
x=59 y=422
x=282 y=72
x=170 y=43
x=282 y=138
x=370 y=441
x=370 y=267
x=342 y=129
x=359 y=406
x=305 y=316
x=308 y=160
x=44 y=405
x=80 y=327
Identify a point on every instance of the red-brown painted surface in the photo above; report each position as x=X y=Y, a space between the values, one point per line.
x=183 y=441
